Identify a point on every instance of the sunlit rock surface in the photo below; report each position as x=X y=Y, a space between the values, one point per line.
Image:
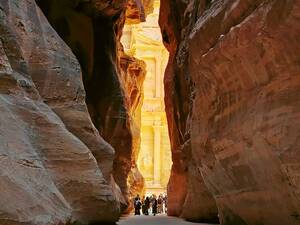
x=144 y=42
x=133 y=75
x=234 y=73
x=188 y=196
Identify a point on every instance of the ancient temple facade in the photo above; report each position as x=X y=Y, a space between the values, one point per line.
x=144 y=42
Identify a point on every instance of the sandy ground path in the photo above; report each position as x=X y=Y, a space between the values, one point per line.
x=155 y=220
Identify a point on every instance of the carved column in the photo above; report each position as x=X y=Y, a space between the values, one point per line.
x=156 y=154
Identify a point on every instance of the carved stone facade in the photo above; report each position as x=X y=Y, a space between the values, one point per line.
x=144 y=42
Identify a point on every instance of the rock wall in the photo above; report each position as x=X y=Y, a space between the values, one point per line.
x=55 y=167
x=137 y=10
x=188 y=196
x=133 y=75
x=232 y=100
x=95 y=47
x=234 y=71
x=113 y=86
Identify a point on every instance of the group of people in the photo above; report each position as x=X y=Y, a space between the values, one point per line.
x=150 y=205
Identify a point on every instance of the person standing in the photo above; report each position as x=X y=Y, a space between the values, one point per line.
x=146 y=206
x=143 y=205
x=159 y=204
x=154 y=206
x=137 y=205
x=150 y=204
x=165 y=200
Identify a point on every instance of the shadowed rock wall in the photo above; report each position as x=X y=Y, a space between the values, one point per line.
x=234 y=72
x=93 y=31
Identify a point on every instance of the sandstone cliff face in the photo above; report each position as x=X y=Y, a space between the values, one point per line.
x=62 y=167
x=242 y=113
x=111 y=84
x=137 y=10
x=95 y=46
x=188 y=196
x=133 y=72
x=64 y=158
x=54 y=164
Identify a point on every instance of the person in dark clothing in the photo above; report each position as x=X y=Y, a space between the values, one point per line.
x=154 y=206
x=147 y=206
x=143 y=205
x=137 y=205
x=160 y=204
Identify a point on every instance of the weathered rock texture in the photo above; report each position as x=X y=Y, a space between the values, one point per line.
x=55 y=167
x=133 y=73
x=188 y=196
x=111 y=83
x=137 y=10
x=239 y=98
x=36 y=60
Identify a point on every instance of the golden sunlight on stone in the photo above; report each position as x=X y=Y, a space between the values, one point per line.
x=144 y=42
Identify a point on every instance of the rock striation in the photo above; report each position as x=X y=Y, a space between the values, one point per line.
x=111 y=79
x=188 y=196
x=233 y=109
x=55 y=167
x=133 y=72
x=68 y=138
x=69 y=98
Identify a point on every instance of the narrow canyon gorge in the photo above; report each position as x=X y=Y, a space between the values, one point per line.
x=70 y=99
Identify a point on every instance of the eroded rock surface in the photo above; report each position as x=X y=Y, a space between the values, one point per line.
x=112 y=81
x=234 y=72
x=188 y=196
x=137 y=10
x=133 y=73
x=52 y=157
x=64 y=171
